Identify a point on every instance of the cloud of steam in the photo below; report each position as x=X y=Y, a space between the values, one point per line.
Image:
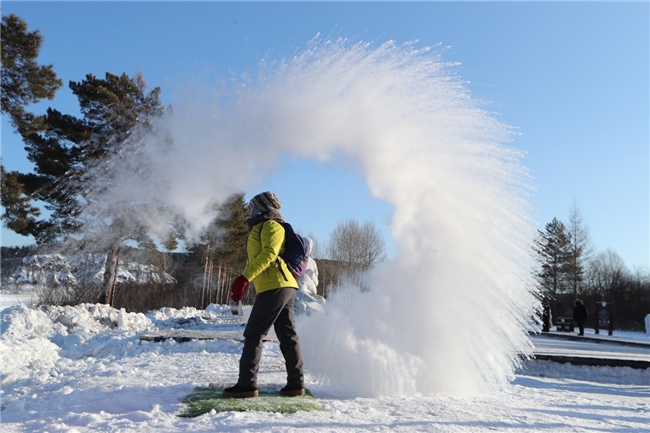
x=447 y=315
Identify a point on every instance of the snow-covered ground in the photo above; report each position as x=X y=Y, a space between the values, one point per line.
x=84 y=368
x=595 y=348
x=9 y=299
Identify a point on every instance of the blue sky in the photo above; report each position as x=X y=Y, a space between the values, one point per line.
x=573 y=78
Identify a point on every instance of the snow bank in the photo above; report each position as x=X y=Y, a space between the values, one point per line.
x=38 y=343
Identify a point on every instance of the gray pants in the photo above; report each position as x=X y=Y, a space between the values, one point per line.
x=274 y=307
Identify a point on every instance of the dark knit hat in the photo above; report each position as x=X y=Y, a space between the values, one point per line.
x=262 y=203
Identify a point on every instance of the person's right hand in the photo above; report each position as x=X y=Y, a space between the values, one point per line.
x=238 y=287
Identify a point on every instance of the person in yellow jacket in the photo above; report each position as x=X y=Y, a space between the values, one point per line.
x=276 y=290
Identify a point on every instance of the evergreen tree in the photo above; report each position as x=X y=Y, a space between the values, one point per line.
x=71 y=152
x=24 y=82
x=221 y=253
x=553 y=249
x=18 y=211
x=231 y=222
x=70 y=146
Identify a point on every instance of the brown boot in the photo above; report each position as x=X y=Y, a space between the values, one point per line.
x=238 y=391
x=292 y=391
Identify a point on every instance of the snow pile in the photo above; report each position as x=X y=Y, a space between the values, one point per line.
x=191 y=318
x=40 y=341
x=58 y=333
x=27 y=352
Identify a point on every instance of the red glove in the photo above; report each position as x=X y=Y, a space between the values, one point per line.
x=238 y=287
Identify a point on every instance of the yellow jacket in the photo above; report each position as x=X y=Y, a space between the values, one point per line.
x=264 y=268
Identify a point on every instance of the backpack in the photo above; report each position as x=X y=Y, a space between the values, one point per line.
x=296 y=251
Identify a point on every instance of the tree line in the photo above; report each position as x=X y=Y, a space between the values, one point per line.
x=203 y=274
x=569 y=268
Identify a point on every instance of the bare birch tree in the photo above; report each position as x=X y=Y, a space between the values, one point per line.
x=607 y=273
x=580 y=250
x=356 y=247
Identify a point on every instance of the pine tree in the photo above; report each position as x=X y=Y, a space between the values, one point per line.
x=553 y=248
x=231 y=221
x=18 y=211
x=71 y=151
x=70 y=146
x=221 y=253
x=24 y=82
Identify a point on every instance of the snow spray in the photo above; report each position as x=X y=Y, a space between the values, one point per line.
x=448 y=315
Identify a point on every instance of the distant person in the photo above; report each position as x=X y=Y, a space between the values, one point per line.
x=276 y=290
x=547 y=316
x=580 y=315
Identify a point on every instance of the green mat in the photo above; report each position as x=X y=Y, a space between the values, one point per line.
x=203 y=400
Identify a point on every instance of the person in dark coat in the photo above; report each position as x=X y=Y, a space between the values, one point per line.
x=580 y=315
